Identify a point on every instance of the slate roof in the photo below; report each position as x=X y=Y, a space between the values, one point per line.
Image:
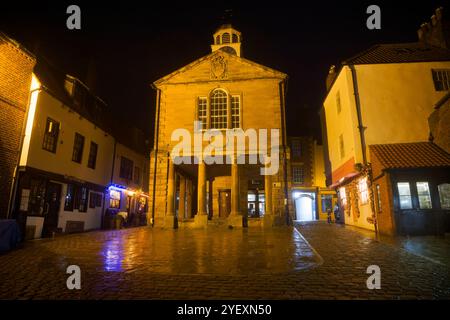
x=410 y=155
x=400 y=53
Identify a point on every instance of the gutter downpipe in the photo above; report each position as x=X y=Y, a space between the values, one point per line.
x=158 y=106
x=283 y=89
x=362 y=138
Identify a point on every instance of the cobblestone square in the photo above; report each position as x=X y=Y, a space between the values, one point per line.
x=310 y=261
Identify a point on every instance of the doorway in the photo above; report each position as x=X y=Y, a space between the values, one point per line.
x=305 y=206
x=51 y=209
x=224 y=203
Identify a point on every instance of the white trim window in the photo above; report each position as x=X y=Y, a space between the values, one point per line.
x=423 y=192
x=404 y=195
x=219 y=109
x=363 y=191
x=202 y=111
x=235 y=112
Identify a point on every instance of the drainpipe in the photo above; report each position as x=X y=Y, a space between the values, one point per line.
x=361 y=128
x=158 y=106
x=282 y=90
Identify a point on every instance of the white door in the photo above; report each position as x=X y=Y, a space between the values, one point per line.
x=304 y=208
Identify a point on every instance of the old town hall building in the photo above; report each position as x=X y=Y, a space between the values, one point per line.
x=224 y=93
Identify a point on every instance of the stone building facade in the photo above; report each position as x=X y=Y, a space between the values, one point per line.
x=226 y=94
x=16 y=66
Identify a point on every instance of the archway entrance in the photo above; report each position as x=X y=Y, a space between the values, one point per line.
x=305 y=206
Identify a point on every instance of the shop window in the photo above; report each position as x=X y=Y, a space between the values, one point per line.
x=114 y=199
x=37 y=197
x=404 y=194
x=126 y=168
x=68 y=202
x=423 y=192
x=444 y=195
x=51 y=135
x=83 y=202
x=327 y=202
x=378 y=198
x=343 y=196
x=95 y=200
x=363 y=192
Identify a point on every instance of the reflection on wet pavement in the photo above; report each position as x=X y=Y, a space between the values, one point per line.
x=211 y=251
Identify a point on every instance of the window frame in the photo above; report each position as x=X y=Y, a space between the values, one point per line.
x=441 y=79
x=92 y=158
x=50 y=138
x=411 y=205
x=122 y=173
x=419 y=195
x=222 y=114
x=77 y=154
x=301 y=173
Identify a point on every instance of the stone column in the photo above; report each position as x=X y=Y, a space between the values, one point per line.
x=169 y=220
x=181 y=205
x=268 y=215
x=201 y=219
x=234 y=189
x=235 y=219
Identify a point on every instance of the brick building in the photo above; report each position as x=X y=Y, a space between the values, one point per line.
x=309 y=194
x=16 y=66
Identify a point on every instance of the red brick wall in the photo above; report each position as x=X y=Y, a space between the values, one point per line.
x=16 y=68
x=385 y=218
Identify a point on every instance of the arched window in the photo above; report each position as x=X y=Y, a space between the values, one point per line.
x=234 y=38
x=219 y=108
x=226 y=38
x=218 y=40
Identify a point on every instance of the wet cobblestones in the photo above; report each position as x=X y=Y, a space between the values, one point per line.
x=219 y=263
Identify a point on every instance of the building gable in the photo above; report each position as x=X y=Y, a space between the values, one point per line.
x=220 y=66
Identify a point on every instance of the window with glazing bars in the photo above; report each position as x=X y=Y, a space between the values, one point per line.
x=78 y=146
x=51 y=135
x=441 y=79
x=218 y=110
x=235 y=112
x=202 y=111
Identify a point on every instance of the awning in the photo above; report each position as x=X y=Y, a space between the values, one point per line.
x=344 y=179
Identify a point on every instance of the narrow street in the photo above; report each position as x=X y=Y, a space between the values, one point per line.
x=312 y=261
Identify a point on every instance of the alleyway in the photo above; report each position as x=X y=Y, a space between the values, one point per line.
x=220 y=263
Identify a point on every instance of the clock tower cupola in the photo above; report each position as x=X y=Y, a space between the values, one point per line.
x=227 y=39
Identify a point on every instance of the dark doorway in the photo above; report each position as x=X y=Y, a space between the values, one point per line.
x=224 y=203
x=51 y=209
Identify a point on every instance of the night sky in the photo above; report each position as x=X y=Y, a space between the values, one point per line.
x=132 y=44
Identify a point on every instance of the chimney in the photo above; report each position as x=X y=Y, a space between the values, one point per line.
x=331 y=76
x=436 y=32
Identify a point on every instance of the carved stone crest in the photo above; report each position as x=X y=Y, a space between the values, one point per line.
x=219 y=68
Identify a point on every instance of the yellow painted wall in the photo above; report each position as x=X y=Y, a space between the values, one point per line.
x=61 y=161
x=344 y=123
x=139 y=161
x=397 y=100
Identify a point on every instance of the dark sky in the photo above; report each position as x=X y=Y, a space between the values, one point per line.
x=131 y=44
